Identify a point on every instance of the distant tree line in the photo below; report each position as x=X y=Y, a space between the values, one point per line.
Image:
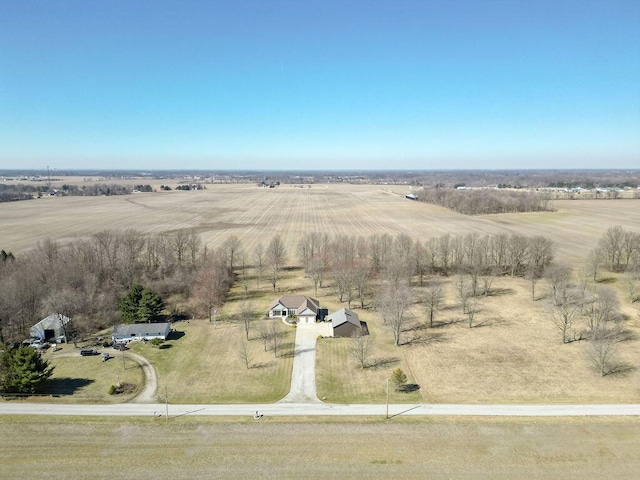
x=480 y=202
x=9 y=193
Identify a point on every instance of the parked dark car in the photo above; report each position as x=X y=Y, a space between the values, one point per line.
x=85 y=352
x=120 y=346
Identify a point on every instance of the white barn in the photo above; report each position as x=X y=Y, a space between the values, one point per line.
x=50 y=328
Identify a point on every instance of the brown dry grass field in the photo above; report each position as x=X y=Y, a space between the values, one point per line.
x=514 y=354
x=188 y=447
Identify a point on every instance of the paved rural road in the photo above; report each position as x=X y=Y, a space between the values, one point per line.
x=316 y=409
x=303 y=375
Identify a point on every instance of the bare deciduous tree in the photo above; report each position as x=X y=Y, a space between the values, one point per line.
x=464 y=292
x=563 y=313
x=600 y=308
x=602 y=350
x=275 y=337
x=212 y=284
x=259 y=258
x=433 y=300
x=244 y=354
x=276 y=256
x=360 y=348
x=246 y=315
x=472 y=309
x=232 y=247
x=264 y=333
x=611 y=245
x=393 y=303
x=594 y=262
x=559 y=281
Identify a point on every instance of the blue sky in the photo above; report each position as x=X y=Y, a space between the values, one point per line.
x=320 y=85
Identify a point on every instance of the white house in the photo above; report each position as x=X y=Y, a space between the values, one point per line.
x=140 y=331
x=304 y=309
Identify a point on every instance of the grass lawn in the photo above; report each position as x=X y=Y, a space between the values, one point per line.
x=339 y=378
x=203 y=365
x=87 y=379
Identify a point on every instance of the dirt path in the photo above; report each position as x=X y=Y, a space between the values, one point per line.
x=148 y=392
x=303 y=376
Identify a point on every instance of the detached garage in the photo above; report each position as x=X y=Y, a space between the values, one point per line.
x=140 y=331
x=345 y=323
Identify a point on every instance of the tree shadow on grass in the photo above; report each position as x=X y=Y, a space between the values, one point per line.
x=627 y=335
x=500 y=292
x=164 y=346
x=621 y=369
x=260 y=365
x=66 y=386
x=448 y=323
x=426 y=339
x=409 y=388
x=287 y=350
x=488 y=322
x=382 y=362
x=606 y=280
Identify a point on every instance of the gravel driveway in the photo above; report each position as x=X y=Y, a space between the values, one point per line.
x=303 y=377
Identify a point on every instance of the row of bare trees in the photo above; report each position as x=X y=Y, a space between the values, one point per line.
x=485 y=201
x=353 y=262
x=596 y=307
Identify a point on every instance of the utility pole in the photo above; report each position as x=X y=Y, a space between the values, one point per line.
x=48 y=177
x=387 y=399
x=166 y=402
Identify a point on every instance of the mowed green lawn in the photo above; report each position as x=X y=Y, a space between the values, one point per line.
x=87 y=379
x=204 y=365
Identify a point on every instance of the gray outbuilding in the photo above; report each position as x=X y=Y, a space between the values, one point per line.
x=140 y=331
x=345 y=323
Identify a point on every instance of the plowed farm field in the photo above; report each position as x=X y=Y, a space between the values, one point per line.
x=255 y=214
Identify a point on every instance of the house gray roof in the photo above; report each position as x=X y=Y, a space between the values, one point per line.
x=299 y=302
x=141 y=329
x=342 y=316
